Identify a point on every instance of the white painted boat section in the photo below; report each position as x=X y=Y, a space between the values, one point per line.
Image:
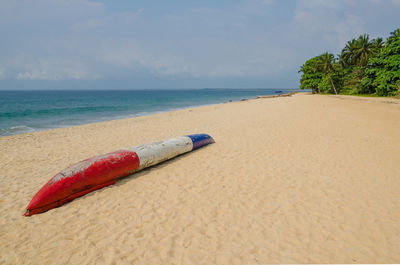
x=156 y=152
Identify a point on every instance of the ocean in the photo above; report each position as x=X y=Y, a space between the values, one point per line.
x=29 y=111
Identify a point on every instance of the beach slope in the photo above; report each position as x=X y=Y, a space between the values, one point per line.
x=301 y=179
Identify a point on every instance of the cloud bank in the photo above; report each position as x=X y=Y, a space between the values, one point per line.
x=244 y=40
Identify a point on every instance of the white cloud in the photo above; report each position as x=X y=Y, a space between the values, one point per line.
x=330 y=23
x=40 y=68
x=82 y=39
x=350 y=27
x=84 y=48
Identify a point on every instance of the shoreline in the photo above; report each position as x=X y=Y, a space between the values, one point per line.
x=372 y=99
x=300 y=179
x=132 y=116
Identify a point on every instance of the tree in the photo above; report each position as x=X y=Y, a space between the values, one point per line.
x=358 y=51
x=377 y=44
x=395 y=34
x=326 y=66
x=321 y=74
x=383 y=70
x=388 y=76
x=352 y=77
x=354 y=59
x=311 y=75
x=346 y=57
x=364 y=67
x=363 y=50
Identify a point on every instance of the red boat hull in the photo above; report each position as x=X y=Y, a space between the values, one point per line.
x=101 y=171
x=84 y=177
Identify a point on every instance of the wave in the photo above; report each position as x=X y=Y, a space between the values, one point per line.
x=25 y=112
x=56 y=111
x=16 y=130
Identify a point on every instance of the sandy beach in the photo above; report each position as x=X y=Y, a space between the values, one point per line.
x=301 y=179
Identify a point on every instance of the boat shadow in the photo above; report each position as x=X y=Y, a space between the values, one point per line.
x=145 y=171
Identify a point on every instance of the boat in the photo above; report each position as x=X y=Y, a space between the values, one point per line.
x=101 y=171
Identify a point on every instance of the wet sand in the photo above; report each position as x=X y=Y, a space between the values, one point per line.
x=301 y=179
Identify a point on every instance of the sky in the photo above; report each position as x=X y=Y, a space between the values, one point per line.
x=88 y=44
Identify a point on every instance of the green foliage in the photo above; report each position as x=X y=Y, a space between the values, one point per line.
x=358 y=51
x=321 y=74
x=366 y=86
x=383 y=73
x=326 y=65
x=363 y=67
x=311 y=76
x=352 y=76
x=377 y=44
x=325 y=86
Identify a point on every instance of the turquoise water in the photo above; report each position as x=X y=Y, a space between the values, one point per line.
x=28 y=111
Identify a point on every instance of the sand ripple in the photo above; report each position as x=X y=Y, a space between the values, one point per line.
x=302 y=179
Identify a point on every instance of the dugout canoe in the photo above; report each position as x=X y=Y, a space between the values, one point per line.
x=101 y=171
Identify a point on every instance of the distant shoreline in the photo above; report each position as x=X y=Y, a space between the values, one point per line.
x=43 y=110
x=390 y=100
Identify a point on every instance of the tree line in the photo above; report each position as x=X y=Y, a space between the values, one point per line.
x=364 y=67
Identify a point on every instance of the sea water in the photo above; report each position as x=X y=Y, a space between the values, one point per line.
x=29 y=111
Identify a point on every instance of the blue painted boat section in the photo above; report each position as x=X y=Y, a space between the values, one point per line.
x=200 y=140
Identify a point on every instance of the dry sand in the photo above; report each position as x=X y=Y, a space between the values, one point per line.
x=302 y=179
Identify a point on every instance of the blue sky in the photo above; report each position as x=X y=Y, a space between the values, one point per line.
x=87 y=44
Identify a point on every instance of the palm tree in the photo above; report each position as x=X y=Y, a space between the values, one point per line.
x=346 y=57
x=326 y=63
x=357 y=51
x=363 y=50
x=395 y=33
x=393 y=36
x=377 y=44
